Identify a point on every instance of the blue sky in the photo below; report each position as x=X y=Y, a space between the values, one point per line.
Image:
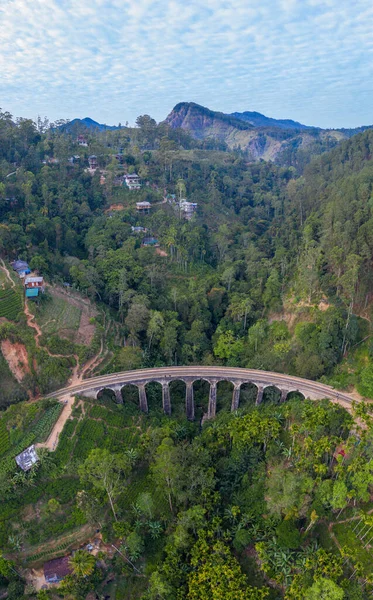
x=112 y=60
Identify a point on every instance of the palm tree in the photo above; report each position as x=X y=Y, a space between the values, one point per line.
x=82 y=563
x=155 y=528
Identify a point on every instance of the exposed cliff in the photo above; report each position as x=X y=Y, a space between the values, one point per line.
x=260 y=136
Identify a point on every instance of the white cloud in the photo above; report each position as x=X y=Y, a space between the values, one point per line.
x=115 y=59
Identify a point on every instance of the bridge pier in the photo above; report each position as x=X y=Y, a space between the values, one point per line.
x=236 y=396
x=166 y=398
x=259 y=396
x=284 y=395
x=143 y=401
x=118 y=395
x=211 y=411
x=189 y=400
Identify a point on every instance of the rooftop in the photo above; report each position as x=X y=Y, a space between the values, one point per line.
x=56 y=569
x=27 y=458
x=143 y=204
x=150 y=241
x=20 y=264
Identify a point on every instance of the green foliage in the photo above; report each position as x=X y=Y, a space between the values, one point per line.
x=10 y=303
x=365 y=386
x=324 y=589
x=217 y=575
x=288 y=535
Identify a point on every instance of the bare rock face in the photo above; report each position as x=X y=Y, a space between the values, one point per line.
x=260 y=136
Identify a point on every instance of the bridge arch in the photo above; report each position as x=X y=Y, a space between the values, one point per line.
x=248 y=395
x=110 y=393
x=272 y=393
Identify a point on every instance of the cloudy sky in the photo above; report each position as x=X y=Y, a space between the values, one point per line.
x=309 y=60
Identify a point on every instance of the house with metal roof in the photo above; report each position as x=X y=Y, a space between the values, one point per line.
x=33 y=281
x=139 y=229
x=56 y=569
x=32 y=292
x=21 y=267
x=143 y=207
x=132 y=181
x=150 y=241
x=27 y=459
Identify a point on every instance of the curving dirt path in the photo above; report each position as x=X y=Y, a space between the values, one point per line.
x=6 y=271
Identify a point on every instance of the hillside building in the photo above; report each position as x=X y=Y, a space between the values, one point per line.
x=132 y=181
x=56 y=569
x=92 y=161
x=143 y=207
x=27 y=459
x=33 y=286
x=150 y=242
x=21 y=267
x=82 y=141
x=187 y=209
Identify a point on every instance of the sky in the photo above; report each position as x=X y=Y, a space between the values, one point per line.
x=112 y=60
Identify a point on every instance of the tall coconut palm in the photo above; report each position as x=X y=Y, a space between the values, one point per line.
x=82 y=563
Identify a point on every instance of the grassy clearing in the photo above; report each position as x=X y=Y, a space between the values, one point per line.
x=56 y=315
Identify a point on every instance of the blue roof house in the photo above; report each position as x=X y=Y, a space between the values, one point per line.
x=32 y=292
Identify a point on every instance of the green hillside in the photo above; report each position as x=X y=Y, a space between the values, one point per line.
x=270 y=269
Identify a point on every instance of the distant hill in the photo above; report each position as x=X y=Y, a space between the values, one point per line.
x=258 y=120
x=260 y=136
x=86 y=123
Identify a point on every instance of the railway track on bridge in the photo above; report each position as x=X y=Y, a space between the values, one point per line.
x=164 y=375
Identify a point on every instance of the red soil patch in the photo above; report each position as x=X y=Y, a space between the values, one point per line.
x=86 y=329
x=160 y=252
x=16 y=357
x=115 y=207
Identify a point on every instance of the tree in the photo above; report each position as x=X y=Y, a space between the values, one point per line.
x=257 y=334
x=227 y=346
x=158 y=589
x=16 y=590
x=180 y=186
x=137 y=320
x=6 y=567
x=82 y=563
x=288 y=535
x=134 y=545
x=339 y=497
x=155 y=327
x=240 y=307
x=165 y=467
x=107 y=472
x=287 y=492
x=324 y=589
x=216 y=575
x=365 y=386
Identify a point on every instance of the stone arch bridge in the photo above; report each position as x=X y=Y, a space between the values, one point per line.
x=213 y=375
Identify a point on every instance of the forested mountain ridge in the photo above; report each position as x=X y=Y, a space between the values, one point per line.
x=86 y=123
x=259 y=120
x=273 y=270
x=261 y=137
